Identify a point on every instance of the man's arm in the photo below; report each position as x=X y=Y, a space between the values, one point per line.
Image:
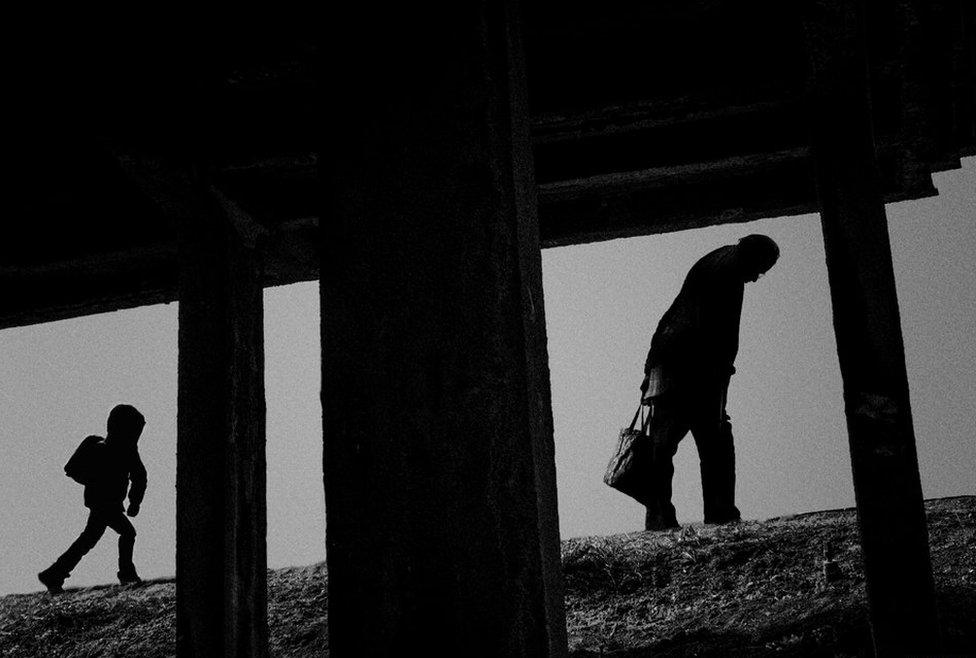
x=137 y=474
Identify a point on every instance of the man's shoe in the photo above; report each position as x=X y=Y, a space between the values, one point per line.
x=719 y=515
x=723 y=520
x=661 y=524
x=129 y=577
x=52 y=581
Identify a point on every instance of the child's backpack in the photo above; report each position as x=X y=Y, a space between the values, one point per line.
x=83 y=463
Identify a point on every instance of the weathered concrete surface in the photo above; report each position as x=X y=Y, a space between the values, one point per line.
x=869 y=341
x=646 y=117
x=221 y=554
x=439 y=472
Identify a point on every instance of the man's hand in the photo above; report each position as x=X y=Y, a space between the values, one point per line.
x=133 y=509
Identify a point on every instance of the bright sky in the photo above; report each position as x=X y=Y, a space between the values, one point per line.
x=602 y=304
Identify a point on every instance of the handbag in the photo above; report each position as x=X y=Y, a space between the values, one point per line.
x=629 y=470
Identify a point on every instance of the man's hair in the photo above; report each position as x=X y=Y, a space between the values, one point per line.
x=760 y=249
x=124 y=417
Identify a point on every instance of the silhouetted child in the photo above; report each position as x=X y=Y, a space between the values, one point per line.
x=105 y=467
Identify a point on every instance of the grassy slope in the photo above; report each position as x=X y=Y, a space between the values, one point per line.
x=755 y=588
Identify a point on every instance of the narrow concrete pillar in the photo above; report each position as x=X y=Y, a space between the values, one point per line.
x=869 y=342
x=442 y=531
x=221 y=560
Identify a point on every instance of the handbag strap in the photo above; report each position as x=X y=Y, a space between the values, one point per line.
x=640 y=414
x=647 y=419
x=633 y=423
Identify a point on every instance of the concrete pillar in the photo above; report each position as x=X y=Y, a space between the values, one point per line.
x=442 y=532
x=221 y=560
x=869 y=341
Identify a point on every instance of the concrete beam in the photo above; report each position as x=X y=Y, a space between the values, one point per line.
x=869 y=342
x=221 y=555
x=62 y=289
x=439 y=473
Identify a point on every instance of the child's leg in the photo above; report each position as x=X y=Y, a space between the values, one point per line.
x=93 y=531
x=127 y=540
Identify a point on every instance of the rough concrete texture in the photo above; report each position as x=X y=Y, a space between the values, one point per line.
x=869 y=342
x=646 y=117
x=440 y=494
x=221 y=558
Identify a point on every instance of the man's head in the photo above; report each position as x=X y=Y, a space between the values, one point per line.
x=125 y=422
x=756 y=254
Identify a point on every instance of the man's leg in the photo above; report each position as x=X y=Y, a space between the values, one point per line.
x=127 y=540
x=666 y=428
x=61 y=569
x=712 y=430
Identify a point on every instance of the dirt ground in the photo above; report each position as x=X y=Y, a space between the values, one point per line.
x=755 y=588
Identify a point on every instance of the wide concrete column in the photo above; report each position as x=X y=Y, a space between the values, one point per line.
x=869 y=340
x=442 y=531
x=221 y=558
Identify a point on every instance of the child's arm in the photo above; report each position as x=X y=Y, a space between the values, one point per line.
x=137 y=474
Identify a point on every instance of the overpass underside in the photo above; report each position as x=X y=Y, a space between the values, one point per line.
x=415 y=162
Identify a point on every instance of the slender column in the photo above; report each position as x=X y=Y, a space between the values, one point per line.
x=869 y=341
x=221 y=559
x=442 y=532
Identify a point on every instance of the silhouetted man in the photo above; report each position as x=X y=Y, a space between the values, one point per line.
x=686 y=377
x=105 y=467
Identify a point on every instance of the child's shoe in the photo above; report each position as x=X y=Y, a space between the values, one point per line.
x=129 y=577
x=52 y=581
